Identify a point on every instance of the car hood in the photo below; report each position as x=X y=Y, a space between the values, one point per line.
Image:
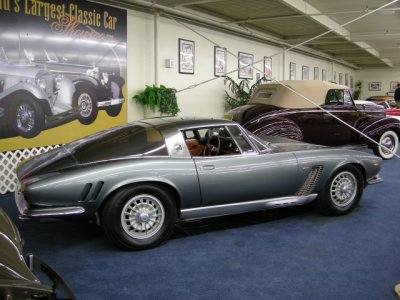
x=12 y=264
x=281 y=144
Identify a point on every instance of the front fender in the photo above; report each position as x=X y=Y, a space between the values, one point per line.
x=25 y=87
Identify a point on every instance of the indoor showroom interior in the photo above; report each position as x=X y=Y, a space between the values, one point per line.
x=202 y=50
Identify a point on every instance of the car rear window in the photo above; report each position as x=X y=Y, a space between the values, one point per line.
x=121 y=142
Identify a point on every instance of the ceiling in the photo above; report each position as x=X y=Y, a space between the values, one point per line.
x=370 y=37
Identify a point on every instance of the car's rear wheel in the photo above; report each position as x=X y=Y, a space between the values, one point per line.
x=390 y=141
x=342 y=192
x=85 y=100
x=27 y=118
x=139 y=217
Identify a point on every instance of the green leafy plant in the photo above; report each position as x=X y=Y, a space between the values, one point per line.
x=161 y=97
x=241 y=92
x=357 y=90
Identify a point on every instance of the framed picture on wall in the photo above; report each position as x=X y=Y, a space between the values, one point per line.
x=186 y=56
x=393 y=85
x=305 y=72
x=292 y=71
x=374 y=86
x=245 y=65
x=219 y=61
x=268 y=67
x=316 y=73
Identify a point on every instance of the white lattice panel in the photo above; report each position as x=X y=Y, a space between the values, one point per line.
x=8 y=163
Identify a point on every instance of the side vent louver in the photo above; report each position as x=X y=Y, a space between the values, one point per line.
x=91 y=191
x=310 y=182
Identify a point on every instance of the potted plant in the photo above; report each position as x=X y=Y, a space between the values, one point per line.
x=241 y=91
x=357 y=91
x=161 y=97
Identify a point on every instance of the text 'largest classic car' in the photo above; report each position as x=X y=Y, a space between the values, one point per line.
x=140 y=178
x=290 y=109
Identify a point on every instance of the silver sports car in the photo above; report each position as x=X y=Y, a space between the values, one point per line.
x=138 y=179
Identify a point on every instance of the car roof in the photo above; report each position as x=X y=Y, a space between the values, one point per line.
x=278 y=94
x=180 y=123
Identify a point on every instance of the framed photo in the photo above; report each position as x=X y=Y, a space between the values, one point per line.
x=374 y=86
x=268 y=67
x=305 y=72
x=186 y=56
x=393 y=85
x=316 y=73
x=346 y=79
x=292 y=71
x=323 y=75
x=219 y=61
x=245 y=65
x=340 y=78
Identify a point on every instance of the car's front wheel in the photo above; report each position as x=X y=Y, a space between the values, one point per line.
x=27 y=118
x=342 y=192
x=139 y=217
x=390 y=141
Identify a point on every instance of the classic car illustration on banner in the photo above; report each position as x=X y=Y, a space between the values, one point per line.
x=138 y=179
x=276 y=110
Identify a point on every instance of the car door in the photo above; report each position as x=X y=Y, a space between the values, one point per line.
x=245 y=174
x=339 y=105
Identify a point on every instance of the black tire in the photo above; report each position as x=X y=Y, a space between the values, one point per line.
x=342 y=192
x=390 y=140
x=85 y=100
x=27 y=117
x=114 y=110
x=127 y=229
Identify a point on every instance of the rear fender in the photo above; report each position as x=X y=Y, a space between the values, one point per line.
x=276 y=127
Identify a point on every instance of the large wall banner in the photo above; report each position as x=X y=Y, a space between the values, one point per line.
x=62 y=71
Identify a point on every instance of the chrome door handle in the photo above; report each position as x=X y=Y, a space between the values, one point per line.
x=208 y=167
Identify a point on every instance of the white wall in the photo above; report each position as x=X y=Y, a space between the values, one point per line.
x=206 y=100
x=384 y=76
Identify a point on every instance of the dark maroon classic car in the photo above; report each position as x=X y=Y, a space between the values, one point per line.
x=283 y=110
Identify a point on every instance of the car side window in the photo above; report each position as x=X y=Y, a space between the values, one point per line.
x=334 y=97
x=347 y=99
x=213 y=141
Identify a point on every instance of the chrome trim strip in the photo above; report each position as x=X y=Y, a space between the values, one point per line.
x=234 y=208
x=26 y=213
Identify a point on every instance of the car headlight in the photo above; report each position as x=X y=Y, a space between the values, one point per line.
x=93 y=73
x=57 y=82
x=105 y=78
x=40 y=82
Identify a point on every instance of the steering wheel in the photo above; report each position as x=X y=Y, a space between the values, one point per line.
x=213 y=146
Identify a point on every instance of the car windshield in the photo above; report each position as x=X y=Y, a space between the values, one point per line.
x=262 y=146
x=119 y=142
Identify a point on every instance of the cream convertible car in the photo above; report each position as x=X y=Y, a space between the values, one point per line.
x=140 y=178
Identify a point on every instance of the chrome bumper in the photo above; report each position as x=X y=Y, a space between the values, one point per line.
x=375 y=179
x=110 y=102
x=25 y=212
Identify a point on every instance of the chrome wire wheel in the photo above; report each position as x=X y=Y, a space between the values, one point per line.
x=25 y=117
x=85 y=105
x=142 y=216
x=343 y=189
